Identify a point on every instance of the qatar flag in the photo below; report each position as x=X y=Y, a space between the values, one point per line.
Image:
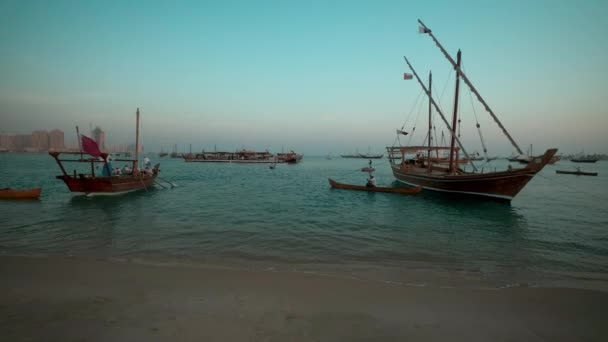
x=407 y=76
x=89 y=146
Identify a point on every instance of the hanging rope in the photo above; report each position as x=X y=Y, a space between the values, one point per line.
x=483 y=143
x=411 y=110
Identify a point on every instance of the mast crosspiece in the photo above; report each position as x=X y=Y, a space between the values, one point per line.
x=466 y=80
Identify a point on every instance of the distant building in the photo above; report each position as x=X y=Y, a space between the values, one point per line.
x=56 y=140
x=40 y=140
x=100 y=137
x=7 y=141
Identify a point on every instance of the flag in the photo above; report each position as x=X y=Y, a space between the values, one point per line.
x=89 y=146
x=423 y=30
x=401 y=132
x=407 y=76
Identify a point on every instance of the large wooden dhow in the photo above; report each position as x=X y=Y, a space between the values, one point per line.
x=414 y=165
x=107 y=181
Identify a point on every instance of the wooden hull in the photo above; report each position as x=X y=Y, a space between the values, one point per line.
x=107 y=185
x=13 y=194
x=403 y=191
x=503 y=185
x=578 y=173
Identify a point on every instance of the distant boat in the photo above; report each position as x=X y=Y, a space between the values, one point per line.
x=416 y=168
x=291 y=157
x=371 y=155
x=400 y=190
x=15 y=194
x=578 y=172
x=243 y=156
x=585 y=159
x=162 y=153
x=109 y=182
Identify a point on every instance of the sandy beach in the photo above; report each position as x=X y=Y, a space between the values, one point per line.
x=66 y=299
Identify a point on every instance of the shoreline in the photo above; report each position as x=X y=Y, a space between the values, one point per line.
x=64 y=298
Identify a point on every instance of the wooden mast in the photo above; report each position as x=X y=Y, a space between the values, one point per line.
x=454 y=122
x=79 y=141
x=430 y=123
x=136 y=161
x=466 y=80
x=439 y=111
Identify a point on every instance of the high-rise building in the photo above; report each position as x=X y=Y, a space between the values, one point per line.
x=56 y=140
x=40 y=140
x=100 y=137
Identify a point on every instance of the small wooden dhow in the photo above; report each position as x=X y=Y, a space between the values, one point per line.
x=16 y=194
x=578 y=172
x=400 y=190
x=108 y=182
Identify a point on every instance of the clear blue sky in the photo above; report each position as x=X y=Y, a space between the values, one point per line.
x=316 y=76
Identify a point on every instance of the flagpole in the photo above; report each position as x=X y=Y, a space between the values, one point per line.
x=136 y=162
x=79 y=143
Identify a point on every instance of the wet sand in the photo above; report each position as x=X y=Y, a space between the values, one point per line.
x=66 y=299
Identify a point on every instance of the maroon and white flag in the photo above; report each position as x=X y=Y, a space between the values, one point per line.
x=407 y=76
x=423 y=30
x=89 y=146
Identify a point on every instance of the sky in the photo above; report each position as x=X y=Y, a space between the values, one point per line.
x=315 y=76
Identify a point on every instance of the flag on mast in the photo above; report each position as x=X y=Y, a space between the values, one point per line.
x=423 y=30
x=407 y=76
x=89 y=146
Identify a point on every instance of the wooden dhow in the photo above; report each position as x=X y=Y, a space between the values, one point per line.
x=413 y=164
x=108 y=181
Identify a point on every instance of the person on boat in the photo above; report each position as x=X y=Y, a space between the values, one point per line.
x=107 y=168
x=371 y=182
x=126 y=170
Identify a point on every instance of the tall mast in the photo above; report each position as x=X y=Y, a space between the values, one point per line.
x=430 y=123
x=136 y=163
x=455 y=114
x=79 y=141
x=445 y=121
x=466 y=80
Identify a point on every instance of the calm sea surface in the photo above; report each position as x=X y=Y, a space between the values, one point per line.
x=555 y=232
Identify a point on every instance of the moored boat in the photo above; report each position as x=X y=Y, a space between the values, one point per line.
x=585 y=159
x=416 y=167
x=290 y=157
x=109 y=181
x=16 y=194
x=241 y=156
x=578 y=172
x=398 y=190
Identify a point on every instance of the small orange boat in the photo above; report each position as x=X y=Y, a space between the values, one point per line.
x=403 y=191
x=8 y=193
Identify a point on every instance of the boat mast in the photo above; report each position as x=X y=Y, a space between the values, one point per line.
x=466 y=80
x=79 y=142
x=445 y=121
x=454 y=122
x=136 y=161
x=430 y=123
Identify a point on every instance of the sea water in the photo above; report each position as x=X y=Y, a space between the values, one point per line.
x=554 y=233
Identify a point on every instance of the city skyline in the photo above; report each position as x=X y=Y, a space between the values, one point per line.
x=259 y=75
